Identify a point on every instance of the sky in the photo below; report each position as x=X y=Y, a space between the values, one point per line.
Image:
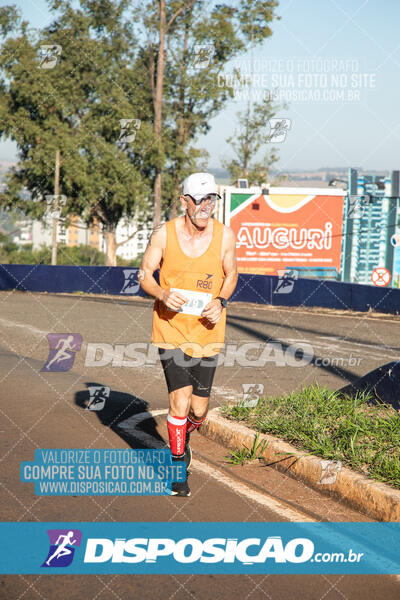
x=336 y=63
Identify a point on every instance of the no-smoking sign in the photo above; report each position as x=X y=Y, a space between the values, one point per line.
x=380 y=277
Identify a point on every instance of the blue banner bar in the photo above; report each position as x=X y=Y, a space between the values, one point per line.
x=213 y=548
x=262 y=289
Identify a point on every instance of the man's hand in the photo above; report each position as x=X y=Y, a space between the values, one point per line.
x=213 y=311
x=173 y=300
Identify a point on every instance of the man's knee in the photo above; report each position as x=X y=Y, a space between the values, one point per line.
x=199 y=418
x=199 y=412
x=179 y=400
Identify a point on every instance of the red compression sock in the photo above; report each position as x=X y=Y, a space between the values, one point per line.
x=194 y=424
x=177 y=433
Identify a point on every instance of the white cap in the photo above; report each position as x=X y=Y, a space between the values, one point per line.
x=199 y=185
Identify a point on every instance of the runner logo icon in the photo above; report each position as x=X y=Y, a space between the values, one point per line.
x=279 y=129
x=203 y=53
x=131 y=284
x=251 y=394
x=329 y=471
x=62 y=547
x=62 y=351
x=98 y=397
x=49 y=55
x=286 y=281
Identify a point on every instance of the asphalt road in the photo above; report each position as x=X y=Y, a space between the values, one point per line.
x=42 y=409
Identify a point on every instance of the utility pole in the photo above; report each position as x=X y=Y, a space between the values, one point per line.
x=55 y=209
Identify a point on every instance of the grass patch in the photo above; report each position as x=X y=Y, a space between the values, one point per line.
x=245 y=454
x=365 y=438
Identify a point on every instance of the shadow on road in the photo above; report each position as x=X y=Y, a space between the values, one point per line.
x=297 y=327
x=123 y=413
x=333 y=369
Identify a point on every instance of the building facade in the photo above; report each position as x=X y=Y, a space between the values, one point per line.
x=370 y=216
x=39 y=233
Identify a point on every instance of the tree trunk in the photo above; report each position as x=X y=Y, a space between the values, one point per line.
x=157 y=103
x=54 y=207
x=175 y=202
x=157 y=198
x=111 y=249
x=182 y=133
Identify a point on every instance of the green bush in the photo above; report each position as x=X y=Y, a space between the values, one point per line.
x=11 y=253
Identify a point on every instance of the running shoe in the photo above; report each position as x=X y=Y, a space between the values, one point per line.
x=180 y=488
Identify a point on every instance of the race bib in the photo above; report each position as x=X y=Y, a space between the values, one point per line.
x=196 y=301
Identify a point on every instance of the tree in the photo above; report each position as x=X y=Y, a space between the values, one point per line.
x=249 y=137
x=114 y=67
x=185 y=98
x=76 y=107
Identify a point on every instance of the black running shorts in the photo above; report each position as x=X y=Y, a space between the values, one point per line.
x=181 y=370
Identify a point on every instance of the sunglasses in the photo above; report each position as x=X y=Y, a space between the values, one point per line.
x=212 y=198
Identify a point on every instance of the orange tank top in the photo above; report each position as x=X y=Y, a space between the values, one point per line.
x=193 y=334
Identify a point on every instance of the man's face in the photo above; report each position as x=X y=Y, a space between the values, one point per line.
x=200 y=213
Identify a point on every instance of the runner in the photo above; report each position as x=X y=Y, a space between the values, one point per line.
x=197 y=259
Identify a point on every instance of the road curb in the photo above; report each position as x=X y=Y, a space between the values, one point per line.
x=373 y=498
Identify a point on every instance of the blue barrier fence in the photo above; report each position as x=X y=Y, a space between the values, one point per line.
x=262 y=289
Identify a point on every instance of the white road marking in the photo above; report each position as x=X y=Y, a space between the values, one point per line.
x=367 y=349
x=210 y=471
x=227 y=393
x=34 y=330
x=129 y=426
x=389 y=317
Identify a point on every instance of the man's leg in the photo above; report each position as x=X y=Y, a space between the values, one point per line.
x=179 y=403
x=180 y=392
x=202 y=376
x=197 y=412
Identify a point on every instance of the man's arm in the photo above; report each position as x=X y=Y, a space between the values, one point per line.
x=150 y=263
x=229 y=265
x=214 y=309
